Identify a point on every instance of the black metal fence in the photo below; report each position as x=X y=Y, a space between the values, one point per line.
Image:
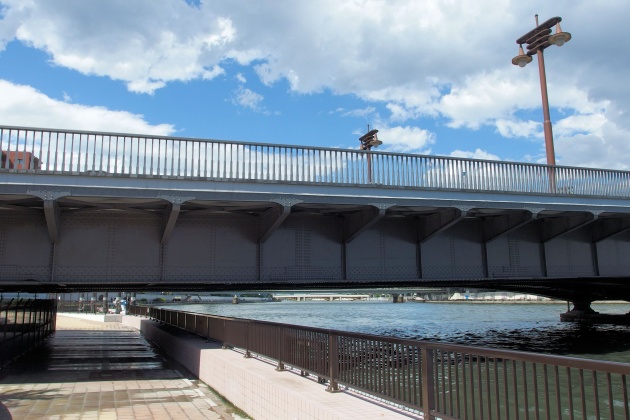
x=440 y=380
x=23 y=325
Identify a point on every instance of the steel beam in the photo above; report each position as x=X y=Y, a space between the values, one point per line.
x=554 y=227
x=357 y=222
x=495 y=226
x=435 y=223
x=273 y=218
x=607 y=227
x=171 y=213
x=51 y=211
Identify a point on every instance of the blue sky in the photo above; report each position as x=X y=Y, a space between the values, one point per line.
x=434 y=76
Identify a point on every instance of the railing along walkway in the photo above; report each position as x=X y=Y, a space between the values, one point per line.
x=440 y=380
x=23 y=325
x=96 y=153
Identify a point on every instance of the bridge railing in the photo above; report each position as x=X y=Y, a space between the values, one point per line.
x=98 y=153
x=440 y=380
x=23 y=325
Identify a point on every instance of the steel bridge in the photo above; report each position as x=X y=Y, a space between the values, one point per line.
x=86 y=211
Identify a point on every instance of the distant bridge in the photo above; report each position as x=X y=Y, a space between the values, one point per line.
x=102 y=211
x=320 y=296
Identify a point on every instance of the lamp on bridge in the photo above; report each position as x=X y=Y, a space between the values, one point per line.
x=537 y=40
x=368 y=141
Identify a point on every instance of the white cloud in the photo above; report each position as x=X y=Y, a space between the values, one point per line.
x=400 y=112
x=240 y=78
x=441 y=59
x=124 y=41
x=483 y=98
x=580 y=124
x=592 y=141
x=25 y=106
x=477 y=154
x=360 y=113
x=516 y=128
x=406 y=139
x=248 y=99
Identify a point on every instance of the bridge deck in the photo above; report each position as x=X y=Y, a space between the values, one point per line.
x=110 y=211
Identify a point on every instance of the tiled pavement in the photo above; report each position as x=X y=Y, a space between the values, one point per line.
x=91 y=369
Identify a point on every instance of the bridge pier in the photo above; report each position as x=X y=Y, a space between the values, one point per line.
x=398 y=298
x=583 y=313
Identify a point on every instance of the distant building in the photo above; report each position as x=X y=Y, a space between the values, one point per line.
x=19 y=160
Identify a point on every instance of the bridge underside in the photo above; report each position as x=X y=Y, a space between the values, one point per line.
x=52 y=241
x=588 y=290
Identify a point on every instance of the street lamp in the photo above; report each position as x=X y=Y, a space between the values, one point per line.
x=368 y=141
x=537 y=40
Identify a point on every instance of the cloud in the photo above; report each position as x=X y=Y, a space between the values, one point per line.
x=406 y=139
x=360 y=113
x=517 y=128
x=593 y=141
x=477 y=154
x=580 y=124
x=25 y=106
x=445 y=60
x=123 y=41
x=247 y=99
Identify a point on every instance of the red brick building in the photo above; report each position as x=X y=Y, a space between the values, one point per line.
x=19 y=160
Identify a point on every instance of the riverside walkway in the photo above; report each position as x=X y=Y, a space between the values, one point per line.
x=90 y=369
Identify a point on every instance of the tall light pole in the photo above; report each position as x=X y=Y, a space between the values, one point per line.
x=537 y=40
x=368 y=141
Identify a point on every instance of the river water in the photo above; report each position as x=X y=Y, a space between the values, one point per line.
x=532 y=327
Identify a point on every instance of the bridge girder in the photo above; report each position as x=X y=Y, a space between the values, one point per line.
x=387 y=235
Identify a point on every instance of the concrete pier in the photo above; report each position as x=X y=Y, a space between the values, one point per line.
x=582 y=312
x=595 y=318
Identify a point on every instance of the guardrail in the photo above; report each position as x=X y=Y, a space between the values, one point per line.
x=23 y=325
x=440 y=380
x=96 y=153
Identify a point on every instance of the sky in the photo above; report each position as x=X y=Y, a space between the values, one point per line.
x=435 y=77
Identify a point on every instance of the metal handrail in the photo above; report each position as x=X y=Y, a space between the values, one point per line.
x=37 y=150
x=440 y=380
x=23 y=325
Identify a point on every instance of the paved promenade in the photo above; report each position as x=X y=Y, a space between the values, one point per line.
x=90 y=369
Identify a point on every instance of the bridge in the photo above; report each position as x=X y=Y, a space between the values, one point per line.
x=83 y=211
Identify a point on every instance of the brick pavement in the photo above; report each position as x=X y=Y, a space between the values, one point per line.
x=90 y=369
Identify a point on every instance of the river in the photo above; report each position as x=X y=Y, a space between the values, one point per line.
x=532 y=327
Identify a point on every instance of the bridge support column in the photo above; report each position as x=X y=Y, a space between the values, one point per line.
x=398 y=298
x=582 y=312
x=583 y=308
